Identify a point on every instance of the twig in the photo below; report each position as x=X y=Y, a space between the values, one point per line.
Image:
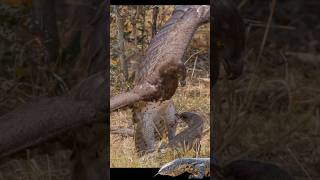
x=275 y=26
x=204 y=79
x=192 y=56
x=204 y=132
x=273 y=5
x=256 y=23
x=194 y=66
x=305 y=57
x=242 y=3
x=122 y=131
x=299 y=163
x=287 y=81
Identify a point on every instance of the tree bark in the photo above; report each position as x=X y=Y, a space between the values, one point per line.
x=154 y=20
x=122 y=57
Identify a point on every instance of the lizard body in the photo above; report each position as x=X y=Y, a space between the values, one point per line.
x=197 y=167
x=191 y=136
x=235 y=170
x=162 y=70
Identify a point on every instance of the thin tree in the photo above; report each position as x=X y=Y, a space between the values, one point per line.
x=120 y=37
x=143 y=13
x=134 y=17
x=155 y=12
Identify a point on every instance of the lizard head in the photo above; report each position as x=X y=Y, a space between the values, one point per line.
x=173 y=168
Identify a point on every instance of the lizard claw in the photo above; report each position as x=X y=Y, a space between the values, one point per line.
x=192 y=176
x=200 y=173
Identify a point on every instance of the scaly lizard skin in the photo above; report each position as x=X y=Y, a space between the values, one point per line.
x=189 y=137
x=236 y=170
x=197 y=167
x=162 y=70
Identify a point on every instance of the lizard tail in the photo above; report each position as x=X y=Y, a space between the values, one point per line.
x=123 y=100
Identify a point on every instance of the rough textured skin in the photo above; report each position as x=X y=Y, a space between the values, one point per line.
x=162 y=67
x=153 y=119
x=163 y=61
x=236 y=170
x=191 y=136
x=197 y=167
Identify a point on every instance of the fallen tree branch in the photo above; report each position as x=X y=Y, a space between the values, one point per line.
x=44 y=117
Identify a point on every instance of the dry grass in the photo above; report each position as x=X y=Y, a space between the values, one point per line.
x=272 y=112
x=55 y=166
x=271 y=118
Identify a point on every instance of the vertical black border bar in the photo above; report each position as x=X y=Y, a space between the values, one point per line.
x=107 y=123
x=212 y=135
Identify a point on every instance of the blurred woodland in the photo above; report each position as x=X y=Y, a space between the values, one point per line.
x=131 y=30
x=271 y=113
x=43 y=54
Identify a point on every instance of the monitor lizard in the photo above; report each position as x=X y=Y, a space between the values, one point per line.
x=197 y=167
x=235 y=170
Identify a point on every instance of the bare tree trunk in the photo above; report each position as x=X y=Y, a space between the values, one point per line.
x=122 y=57
x=143 y=13
x=93 y=46
x=135 y=60
x=154 y=20
x=134 y=18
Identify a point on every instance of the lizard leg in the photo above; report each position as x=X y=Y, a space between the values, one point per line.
x=171 y=120
x=182 y=70
x=144 y=132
